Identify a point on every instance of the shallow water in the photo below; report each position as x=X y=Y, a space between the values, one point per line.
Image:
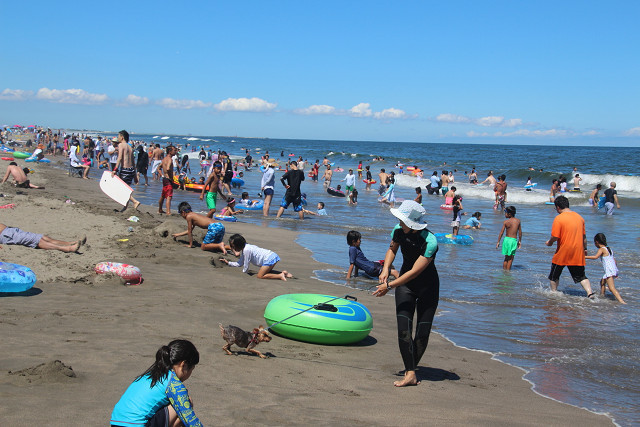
x=574 y=350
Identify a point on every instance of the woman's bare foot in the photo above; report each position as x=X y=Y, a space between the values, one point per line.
x=135 y=205
x=75 y=247
x=409 y=379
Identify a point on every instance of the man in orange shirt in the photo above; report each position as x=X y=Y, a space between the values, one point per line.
x=569 y=231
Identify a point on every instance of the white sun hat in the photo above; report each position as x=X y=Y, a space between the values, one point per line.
x=412 y=214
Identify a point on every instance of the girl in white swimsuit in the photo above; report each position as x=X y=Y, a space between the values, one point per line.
x=609 y=265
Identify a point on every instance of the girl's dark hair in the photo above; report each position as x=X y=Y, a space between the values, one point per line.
x=167 y=356
x=599 y=186
x=476 y=214
x=600 y=238
x=418 y=190
x=237 y=242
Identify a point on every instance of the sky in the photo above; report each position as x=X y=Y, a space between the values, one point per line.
x=531 y=72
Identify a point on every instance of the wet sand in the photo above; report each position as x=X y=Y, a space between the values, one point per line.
x=104 y=334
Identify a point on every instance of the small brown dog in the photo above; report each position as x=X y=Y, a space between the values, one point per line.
x=248 y=340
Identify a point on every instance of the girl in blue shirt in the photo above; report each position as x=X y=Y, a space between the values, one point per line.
x=158 y=397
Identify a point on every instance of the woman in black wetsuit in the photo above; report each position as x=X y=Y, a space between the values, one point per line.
x=418 y=287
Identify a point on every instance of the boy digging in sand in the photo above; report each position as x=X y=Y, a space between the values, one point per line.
x=510 y=244
x=263 y=258
x=15 y=236
x=215 y=230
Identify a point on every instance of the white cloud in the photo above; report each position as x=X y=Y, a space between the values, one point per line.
x=550 y=133
x=255 y=105
x=316 y=110
x=71 y=96
x=136 y=100
x=632 y=132
x=489 y=121
x=15 y=95
x=182 y=104
x=452 y=118
x=390 y=113
x=361 y=110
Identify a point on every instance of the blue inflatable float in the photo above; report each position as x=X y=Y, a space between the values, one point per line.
x=15 y=277
x=460 y=239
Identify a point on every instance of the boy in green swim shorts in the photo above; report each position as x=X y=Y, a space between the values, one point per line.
x=211 y=188
x=513 y=237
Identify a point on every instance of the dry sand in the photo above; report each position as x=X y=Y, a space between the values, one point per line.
x=72 y=345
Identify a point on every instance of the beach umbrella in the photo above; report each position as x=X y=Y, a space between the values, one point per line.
x=31 y=126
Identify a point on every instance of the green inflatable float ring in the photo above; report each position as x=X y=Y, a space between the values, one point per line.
x=317 y=318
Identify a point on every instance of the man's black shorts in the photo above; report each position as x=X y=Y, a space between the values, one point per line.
x=577 y=272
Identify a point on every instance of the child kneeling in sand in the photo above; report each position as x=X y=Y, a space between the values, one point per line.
x=15 y=236
x=158 y=396
x=215 y=230
x=251 y=254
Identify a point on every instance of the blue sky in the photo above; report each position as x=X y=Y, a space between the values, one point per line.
x=537 y=72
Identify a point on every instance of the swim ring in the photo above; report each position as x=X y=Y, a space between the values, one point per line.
x=446 y=207
x=16 y=277
x=225 y=218
x=335 y=192
x=128 y=272
x=251 y=205
x=34 y=159
x=367 y=181
x=21 y=155
x=237 y=182
x=342 y=322
x=10 y=159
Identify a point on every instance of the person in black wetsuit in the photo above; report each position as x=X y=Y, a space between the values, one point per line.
x=418 y=287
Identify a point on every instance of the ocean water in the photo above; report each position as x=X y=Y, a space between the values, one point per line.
x=572 y=349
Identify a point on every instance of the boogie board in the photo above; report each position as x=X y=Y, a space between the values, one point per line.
x=549 y=203
x=601 y=202
x=530 y=186
x=460 y=239
x=115 y=188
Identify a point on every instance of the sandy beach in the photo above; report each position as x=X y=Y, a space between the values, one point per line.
x=105 y=334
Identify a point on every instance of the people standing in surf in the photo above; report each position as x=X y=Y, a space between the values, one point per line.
x=417 y=290
x=389 y=196
x=594 y=197
x=512 y=229
x=555 y=187
x=611 y=198
x=444 y=182
x=293 y=178
x=490 y=179
x=382 y=177
x=500 y=189
x=569 y=231
x=434 y=186
x=125 y=167
x=142 y=164
x=608 y=264
x=156 y=157
x=267 y=187
x=457 y=212
x=350 y=184
x=328 y=173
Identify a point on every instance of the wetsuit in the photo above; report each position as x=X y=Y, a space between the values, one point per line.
x=420 y=295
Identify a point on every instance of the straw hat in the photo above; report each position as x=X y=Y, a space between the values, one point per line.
x=412 y=214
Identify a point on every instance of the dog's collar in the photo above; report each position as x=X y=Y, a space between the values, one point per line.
x=254 y=339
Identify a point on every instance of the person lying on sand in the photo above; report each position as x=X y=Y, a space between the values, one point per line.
x=16 y=236
x=19 y=177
